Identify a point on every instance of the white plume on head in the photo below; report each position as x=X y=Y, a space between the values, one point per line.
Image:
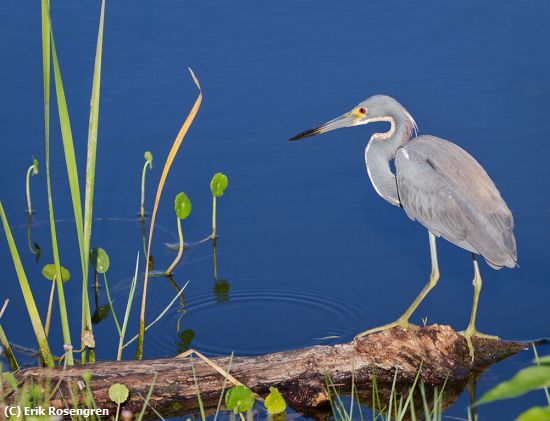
x=415 y=126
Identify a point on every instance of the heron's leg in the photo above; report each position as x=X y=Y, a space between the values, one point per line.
x=403 y=321
x=471 y=329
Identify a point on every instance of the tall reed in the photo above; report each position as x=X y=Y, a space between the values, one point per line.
x=47 y=43
x=36 y=322
x=90 y=171
x=171 y=155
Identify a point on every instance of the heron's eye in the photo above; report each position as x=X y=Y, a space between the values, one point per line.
x=363 y=110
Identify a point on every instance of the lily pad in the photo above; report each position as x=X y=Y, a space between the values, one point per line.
x=218 y=184
x=182 y=205
x=239 y=399
x=99 y=260
x=118 y=393
x=49 y=272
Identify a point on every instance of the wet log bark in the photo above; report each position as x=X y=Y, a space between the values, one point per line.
x=298 y=374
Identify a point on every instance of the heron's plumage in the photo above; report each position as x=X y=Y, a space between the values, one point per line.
x=445 y=189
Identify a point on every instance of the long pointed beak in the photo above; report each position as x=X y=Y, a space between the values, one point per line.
x=345 y=120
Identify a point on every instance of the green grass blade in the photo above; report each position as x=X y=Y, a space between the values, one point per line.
x=7 y=350
x=68 y=148
x=27 y=294
x=160 y=316
x=197 y=389
x=147 y=399
x=128 y=308
x=113 y=312
x=47 y=40
x=90 y=170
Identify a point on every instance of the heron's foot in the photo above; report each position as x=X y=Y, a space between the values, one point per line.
x=470 y=332
x=401 y=322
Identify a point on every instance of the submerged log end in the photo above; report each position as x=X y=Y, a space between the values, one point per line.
x=439 y=345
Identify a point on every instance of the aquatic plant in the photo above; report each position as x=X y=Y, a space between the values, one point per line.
x=49 y=272
x=217 y=186
x=32 y=310
x=169 y=160
x=148 y=164
x=526 y=380
x=128 y=309
x=5 y=344
x=118 y=393
x=239 y=399
x=32 y=170
x=86 y=323
x=99 y=259
x=83 y=225
x=182 y=207
x=47 y=50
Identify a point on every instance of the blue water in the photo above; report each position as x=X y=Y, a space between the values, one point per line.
x=307 y=248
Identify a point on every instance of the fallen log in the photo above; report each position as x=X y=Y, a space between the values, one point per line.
x=299 y=375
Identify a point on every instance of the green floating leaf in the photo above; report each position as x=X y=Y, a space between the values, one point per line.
x=100 y=260
x=35 y=166
x=49 y=273
x=274 y=403
x=537 y=413
x=182 y=205
x=118 y=393
x=239 y=399
x=526 y=380
x=148 y=158
x=218 y=184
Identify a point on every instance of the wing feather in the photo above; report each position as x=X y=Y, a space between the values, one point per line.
x=445 y=189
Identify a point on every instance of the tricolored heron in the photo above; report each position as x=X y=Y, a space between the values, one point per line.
x=438 y=184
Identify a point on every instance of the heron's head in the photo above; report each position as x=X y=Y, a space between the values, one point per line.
x=375 y=108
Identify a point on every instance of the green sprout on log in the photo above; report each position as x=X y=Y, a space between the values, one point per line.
x=217 y=186
x=148 y=163
x=33 y=170
x=48 y=271
x=182 y=207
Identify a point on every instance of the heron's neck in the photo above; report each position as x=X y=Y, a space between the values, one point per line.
x=381 y=151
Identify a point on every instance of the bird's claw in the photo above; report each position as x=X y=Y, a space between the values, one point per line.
x=469 y=333
x=398 y=323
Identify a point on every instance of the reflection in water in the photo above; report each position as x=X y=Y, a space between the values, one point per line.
x=35 y=249
x=472 y=410
x=425 y=402
x=221 y=286
x=101 y=312
x=143 y=236
x=184 y=336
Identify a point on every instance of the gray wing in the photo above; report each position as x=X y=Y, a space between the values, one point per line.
x=445 y=189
